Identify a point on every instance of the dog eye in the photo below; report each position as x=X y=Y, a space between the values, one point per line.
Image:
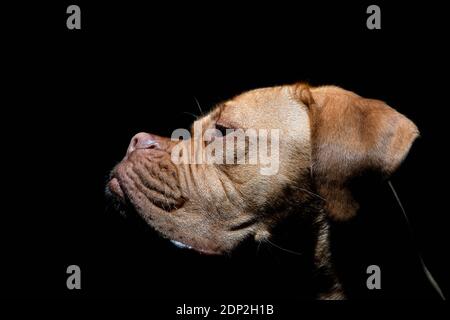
x=223 y=130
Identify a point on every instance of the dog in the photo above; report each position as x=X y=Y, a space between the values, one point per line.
x=328 y=137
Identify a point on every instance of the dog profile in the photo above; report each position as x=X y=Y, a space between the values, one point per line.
x=328 y=137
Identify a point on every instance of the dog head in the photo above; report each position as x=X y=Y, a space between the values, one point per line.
x=318 y=140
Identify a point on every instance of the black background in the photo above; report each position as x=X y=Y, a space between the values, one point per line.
x=73 y=98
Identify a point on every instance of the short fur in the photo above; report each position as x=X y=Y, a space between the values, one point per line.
x=329 y=136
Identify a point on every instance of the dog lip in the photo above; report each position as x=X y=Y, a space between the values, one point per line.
x=182 y=245
x=115 y=188
x=209 y=252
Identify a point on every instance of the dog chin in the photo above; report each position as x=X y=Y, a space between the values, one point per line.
x=118 y=202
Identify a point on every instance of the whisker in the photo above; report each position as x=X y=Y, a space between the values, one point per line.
x=284 y=249
x=198 y=105
x=191 y=114
x=311 y=193
x=258 y=247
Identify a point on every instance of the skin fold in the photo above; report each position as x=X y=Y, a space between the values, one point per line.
x=328 y=136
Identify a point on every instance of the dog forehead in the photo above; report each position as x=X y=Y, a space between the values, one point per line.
x=261 y=98
x=266 y=108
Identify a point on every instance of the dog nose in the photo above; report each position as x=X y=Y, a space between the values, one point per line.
x=142 y=140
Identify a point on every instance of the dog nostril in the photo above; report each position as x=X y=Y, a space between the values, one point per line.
x=146 y=144
x=143 y=141
x=134 y=142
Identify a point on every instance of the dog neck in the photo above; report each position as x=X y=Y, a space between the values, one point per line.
x=301 y=240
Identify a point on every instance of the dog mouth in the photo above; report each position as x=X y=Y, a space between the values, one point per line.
x=157 y=198
x=118 y=195
x=114 y=188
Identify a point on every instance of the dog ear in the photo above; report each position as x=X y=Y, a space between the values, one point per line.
x=351 y=135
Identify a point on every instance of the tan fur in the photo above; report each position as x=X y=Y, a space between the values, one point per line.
x=328 y=136
x=351 y=135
